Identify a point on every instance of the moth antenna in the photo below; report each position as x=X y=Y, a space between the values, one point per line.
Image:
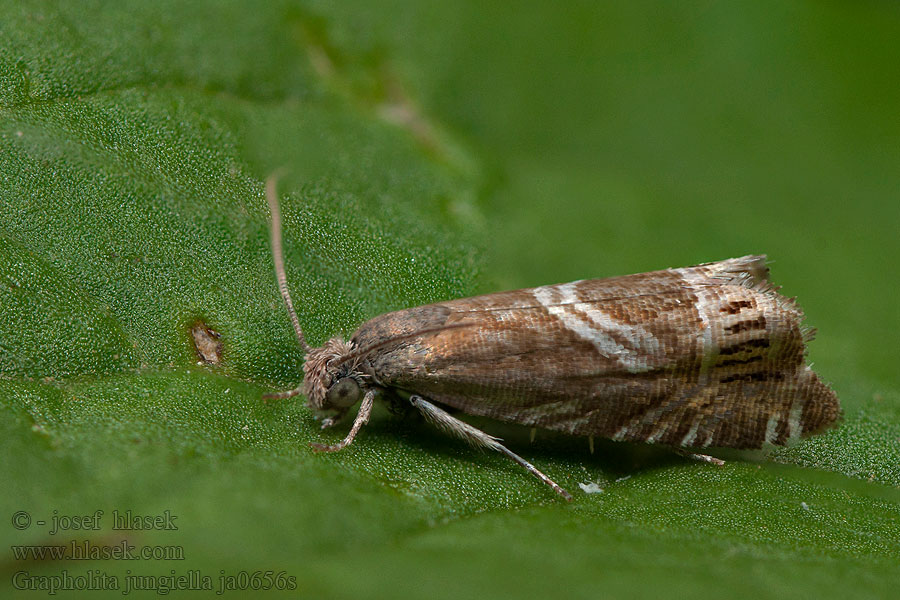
x=272 y=197
x=283 y=395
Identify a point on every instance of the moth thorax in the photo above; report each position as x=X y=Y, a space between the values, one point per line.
x=321 y=367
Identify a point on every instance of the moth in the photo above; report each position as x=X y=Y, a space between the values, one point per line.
x=692 y=358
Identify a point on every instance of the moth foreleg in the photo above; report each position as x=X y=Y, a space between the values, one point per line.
x=362 y=417
x=446 y=422
x=329 y=422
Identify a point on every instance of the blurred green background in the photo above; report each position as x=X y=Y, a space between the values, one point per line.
x=433 y=150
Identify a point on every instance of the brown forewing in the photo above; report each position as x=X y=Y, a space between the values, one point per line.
x=701 y=356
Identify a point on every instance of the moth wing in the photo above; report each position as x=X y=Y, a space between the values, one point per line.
x=701 y=356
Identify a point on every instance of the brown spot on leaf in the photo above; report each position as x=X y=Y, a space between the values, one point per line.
x=207 y=344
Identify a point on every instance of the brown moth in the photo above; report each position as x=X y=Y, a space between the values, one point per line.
x=697 y=357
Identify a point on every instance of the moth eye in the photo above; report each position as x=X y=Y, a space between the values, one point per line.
x=344 y=393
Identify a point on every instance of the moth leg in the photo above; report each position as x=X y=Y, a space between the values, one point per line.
x=701 y=457
x=362 y=417
x=282 y=395
x=444 y=421
x=329 y=422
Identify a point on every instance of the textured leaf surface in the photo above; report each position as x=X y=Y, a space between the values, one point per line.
x=424 y=145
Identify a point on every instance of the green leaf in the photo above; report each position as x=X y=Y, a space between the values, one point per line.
x=431 y=151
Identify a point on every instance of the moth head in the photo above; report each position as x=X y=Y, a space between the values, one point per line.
x=333 y=381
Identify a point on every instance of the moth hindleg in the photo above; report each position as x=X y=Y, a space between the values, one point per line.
x=701 y=457
x=450 y=424
x=362 y=417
